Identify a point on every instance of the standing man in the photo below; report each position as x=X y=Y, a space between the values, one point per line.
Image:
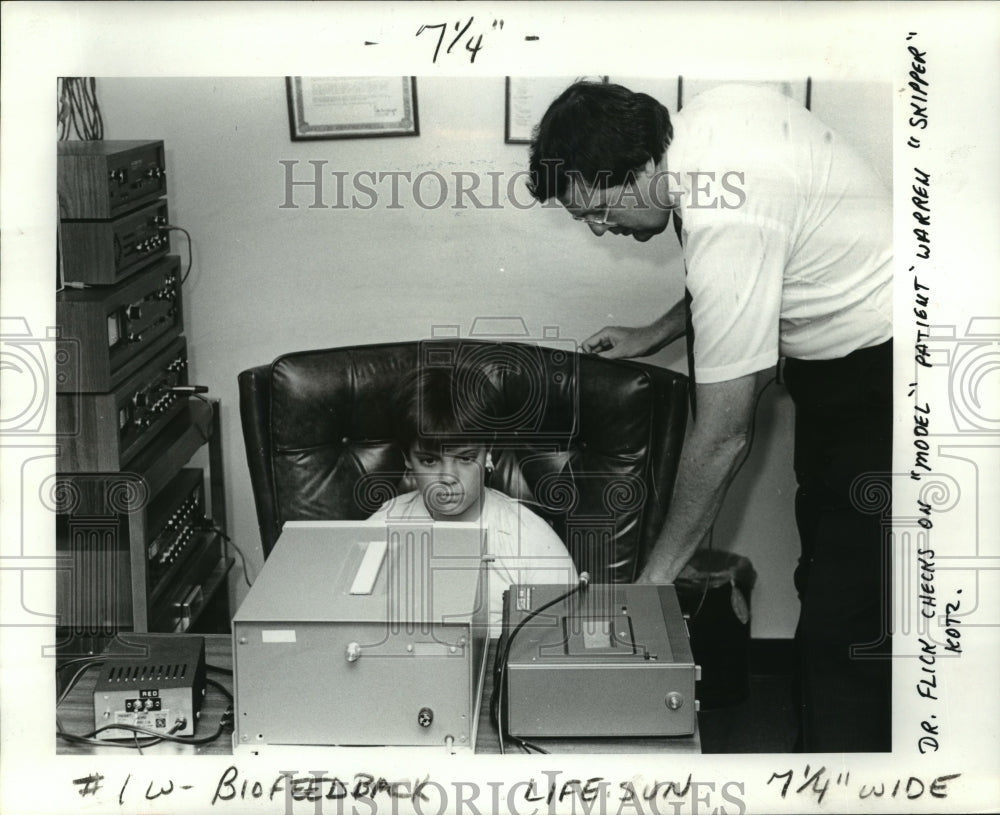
x=787 y=243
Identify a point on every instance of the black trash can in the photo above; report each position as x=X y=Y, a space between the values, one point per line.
x=714 y=594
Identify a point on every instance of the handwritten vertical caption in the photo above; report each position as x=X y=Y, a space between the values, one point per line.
x=927 y=685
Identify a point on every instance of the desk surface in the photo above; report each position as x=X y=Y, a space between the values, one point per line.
x=76 y=715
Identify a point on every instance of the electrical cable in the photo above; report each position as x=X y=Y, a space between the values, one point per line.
x=90 y=661
x=76 y=678
x=528 y=747
x=243 y=558
x=169 y=227
x=78 y=660
x=500 y=669
x=74 y=739
x=154 y=736
x=74 y=107
x=90 y=93
x=62 y=112
x=78 y=110
x=218 y=685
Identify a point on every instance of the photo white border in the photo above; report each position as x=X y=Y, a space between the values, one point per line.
x=959 y=150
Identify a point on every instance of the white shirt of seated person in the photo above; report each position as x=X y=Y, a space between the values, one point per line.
x=523 y=547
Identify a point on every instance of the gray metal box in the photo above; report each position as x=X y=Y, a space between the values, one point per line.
x=400 y=664
x=611 y=660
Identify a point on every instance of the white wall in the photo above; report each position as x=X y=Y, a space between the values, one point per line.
x=267 y=279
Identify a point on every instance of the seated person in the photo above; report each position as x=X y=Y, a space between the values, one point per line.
x=448 y=459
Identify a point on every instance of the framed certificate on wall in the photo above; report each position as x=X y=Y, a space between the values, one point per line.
x=345 y=107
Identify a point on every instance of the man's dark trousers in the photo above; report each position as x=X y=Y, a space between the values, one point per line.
x=843 y=464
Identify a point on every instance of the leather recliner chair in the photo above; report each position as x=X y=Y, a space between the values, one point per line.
x=590 y=444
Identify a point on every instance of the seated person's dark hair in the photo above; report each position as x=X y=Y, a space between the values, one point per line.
x=598 y=131
x=446 y=405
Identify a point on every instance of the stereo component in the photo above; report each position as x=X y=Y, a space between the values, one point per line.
x=104 y=179
x=108 y=333
x=178 y=601
x=177 y=520
x=150 y=681
x=136 y=550
x=101 y=253
x=104 y=431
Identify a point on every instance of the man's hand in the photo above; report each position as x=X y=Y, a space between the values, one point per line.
x=621 y=342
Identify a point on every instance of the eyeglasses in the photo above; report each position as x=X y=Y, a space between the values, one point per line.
x=591 y=221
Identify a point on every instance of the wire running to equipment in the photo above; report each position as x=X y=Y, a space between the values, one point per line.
x=500 y=669
x=171 y=227
x=243 y=558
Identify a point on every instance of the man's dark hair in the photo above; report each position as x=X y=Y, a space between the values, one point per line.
x=599 y=133
x=445 y=405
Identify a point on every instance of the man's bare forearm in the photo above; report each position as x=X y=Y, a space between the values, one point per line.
x=622 y=342
x=703 y=477
x=714 y=446
x=668 y=328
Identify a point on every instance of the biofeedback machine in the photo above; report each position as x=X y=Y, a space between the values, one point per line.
x=364 y=634
x=377 y=634
x=603 y=660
